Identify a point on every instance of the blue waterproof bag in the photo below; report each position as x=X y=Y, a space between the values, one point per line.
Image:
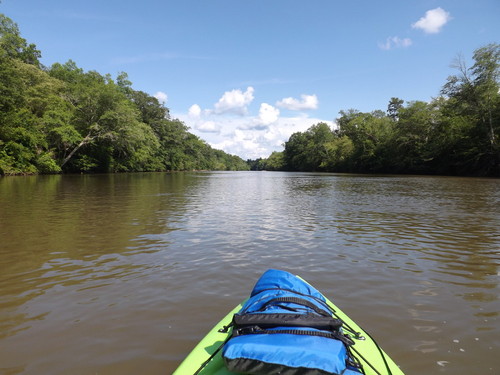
x=286 y=328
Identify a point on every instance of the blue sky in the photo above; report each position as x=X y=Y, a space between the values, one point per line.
x=244 y=75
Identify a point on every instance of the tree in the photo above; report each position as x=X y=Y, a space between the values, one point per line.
x=340 y=153
x=151 y=110
x=105 y=122
x=65 y=119
x=27 y=93
x=275 y=162
x=473 y=94
x=369 y=133
x=486 y=73
x=395 y=104
x=13 y=45
x=412 y=136
x=308 y=151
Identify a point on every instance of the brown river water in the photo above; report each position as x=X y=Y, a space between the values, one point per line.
x=123 y=274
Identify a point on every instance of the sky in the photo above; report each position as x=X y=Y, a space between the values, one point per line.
x=244 y=75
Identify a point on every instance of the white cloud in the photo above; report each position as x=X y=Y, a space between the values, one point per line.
x=194 y=111
x=433 y=21
x=246 y=136
x=307 y=102
x=242 y=143
x=161 y=96
x=249 y=136
x=268 y=114
x=235 y=101
x=260 y=143
x=208 y=127
x=395 y=42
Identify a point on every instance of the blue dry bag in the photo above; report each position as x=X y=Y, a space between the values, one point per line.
x=287 y=328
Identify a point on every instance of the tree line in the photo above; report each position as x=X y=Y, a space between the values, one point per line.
x=456 y=133
x=63 y=119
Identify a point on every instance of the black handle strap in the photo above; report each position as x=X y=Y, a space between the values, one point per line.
x=265 y=320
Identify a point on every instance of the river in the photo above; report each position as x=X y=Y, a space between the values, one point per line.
x=124 y=273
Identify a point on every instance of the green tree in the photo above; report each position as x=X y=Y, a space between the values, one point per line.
x=295 y=153
x=340 y=152
x=308 y=151
x=486 y=73
x=412 y=137
x=105 y=122
x=28 y=92
x=275 y=162
x=13 y=45
x=473 y=96
x=151 y=110
x=369 y=134
x=395 y=104
x=65 y=119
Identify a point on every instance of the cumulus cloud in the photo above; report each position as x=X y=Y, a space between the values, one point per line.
x=235 y=101
x=248 y=135
x=433 y=21
x=243 y=136
x=268 y=114
x=306 y=102
x=243 y=143
x=161 y=96
x=194 y=111
x=395 y=42
x=208 y=127
x=260 y=143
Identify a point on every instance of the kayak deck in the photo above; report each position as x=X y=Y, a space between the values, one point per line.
x=206 y=356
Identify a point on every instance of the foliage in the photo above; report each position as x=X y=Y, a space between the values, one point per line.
x=275 y=162
x=456 y=133
x=63 y=119
x=13 y=45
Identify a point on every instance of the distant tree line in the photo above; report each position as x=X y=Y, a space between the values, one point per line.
x=62 y=119
x=454 y=134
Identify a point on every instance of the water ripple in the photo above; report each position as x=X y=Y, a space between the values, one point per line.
x=160 y=257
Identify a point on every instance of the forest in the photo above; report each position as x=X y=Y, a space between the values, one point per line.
x=61 y=119
x=456 y=133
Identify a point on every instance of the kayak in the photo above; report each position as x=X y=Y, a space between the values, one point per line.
x=207 y=357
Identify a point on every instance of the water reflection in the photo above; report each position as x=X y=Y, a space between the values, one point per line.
x=89 y=262
x=79 y=234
